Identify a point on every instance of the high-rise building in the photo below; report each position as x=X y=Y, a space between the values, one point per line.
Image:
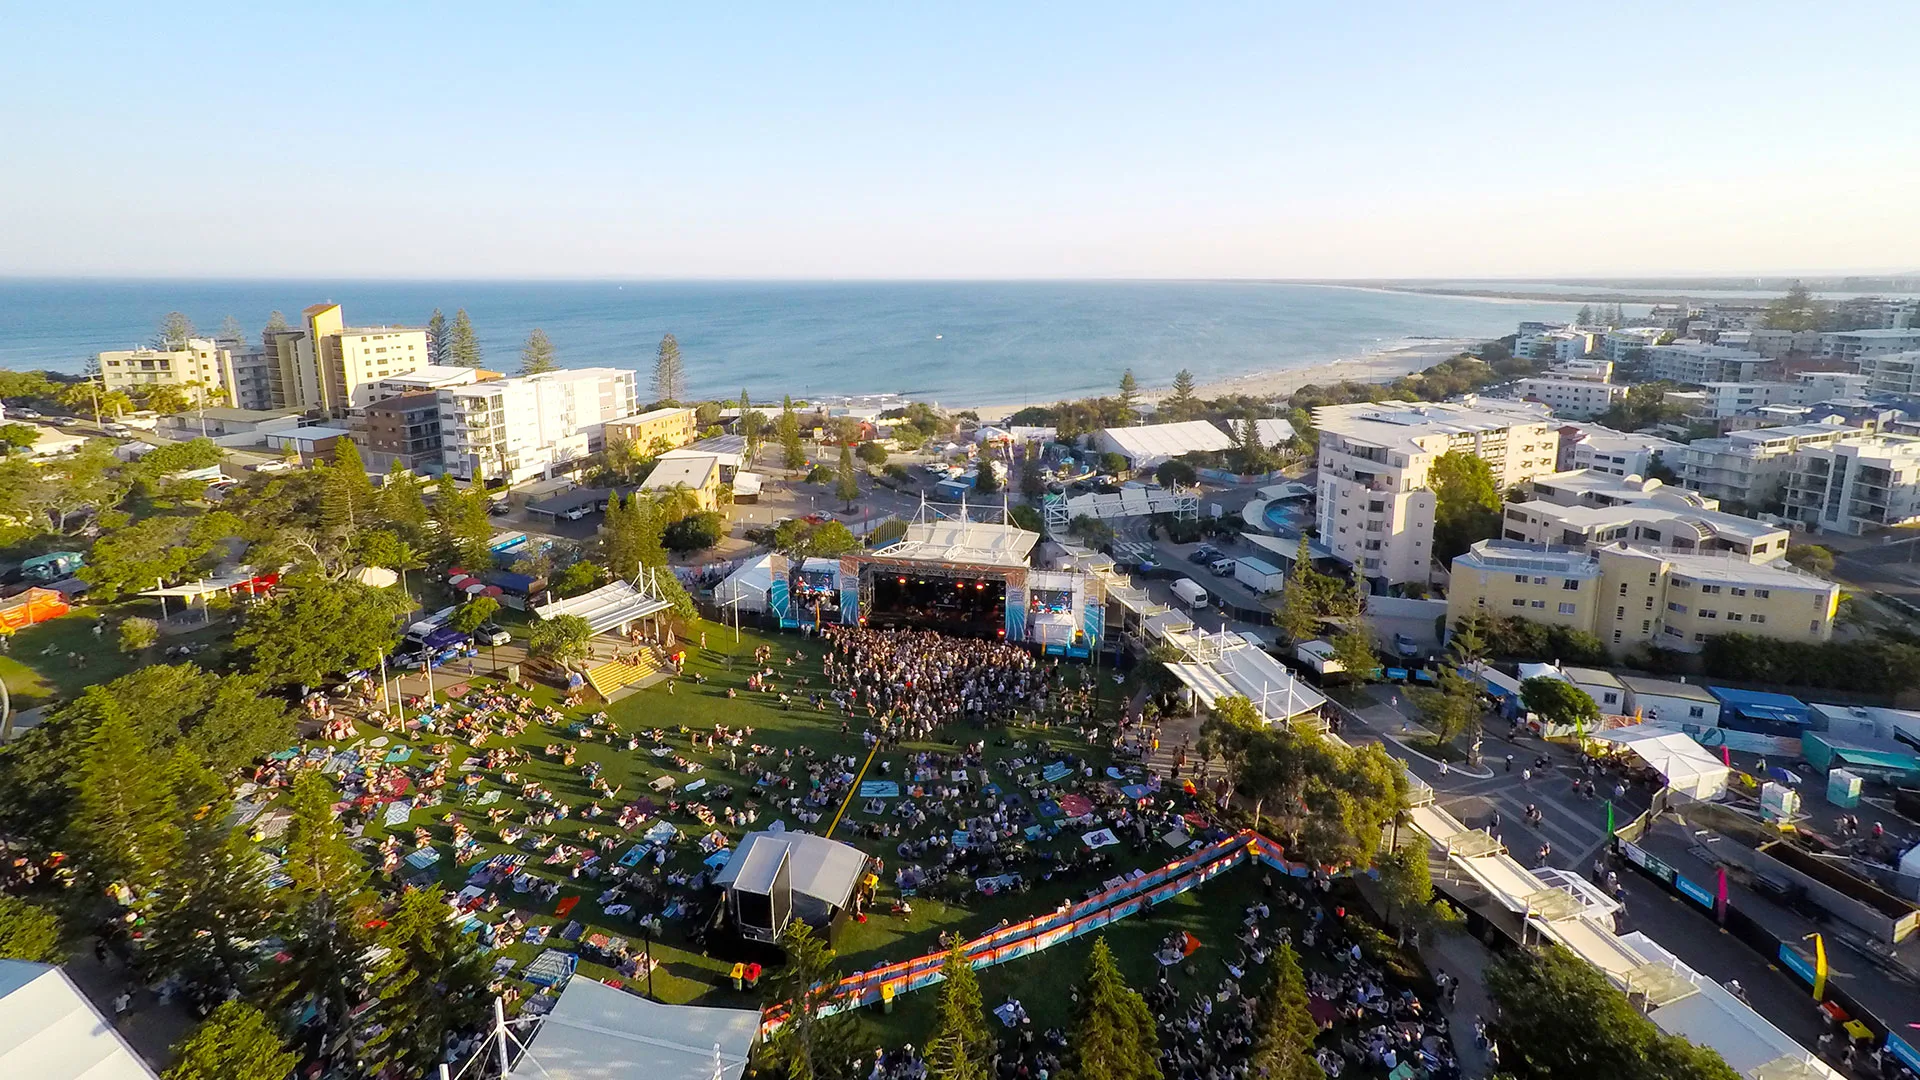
x=202 y=370
x=1750 y=467
x=1693 y=362
x=534 y=425
x=1856 y=484
x=1376 y=510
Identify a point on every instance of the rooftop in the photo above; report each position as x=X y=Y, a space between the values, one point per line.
x=1737 y=571
x=1641 y=684
x=651 y=414
x=691 y=470
x=1167 y=440
x=223 y=412
x=959 y=540
x=1397 y=424
x=435 y=375
x=1512 y=555
x=361 y=331
x=1594 y=517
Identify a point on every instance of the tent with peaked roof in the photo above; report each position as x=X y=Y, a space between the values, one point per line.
x=596 y=1032
x=50 y=1031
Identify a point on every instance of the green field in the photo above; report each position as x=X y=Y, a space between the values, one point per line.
x=685 y=974
x=38 y=665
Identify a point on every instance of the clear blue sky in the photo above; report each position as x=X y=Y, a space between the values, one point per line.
x=896 y=140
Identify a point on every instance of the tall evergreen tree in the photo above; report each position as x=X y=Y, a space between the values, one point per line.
x=985 y=480
x=618 y=542
x=536 y=356
x=123 y=826
x=1129 y=395
x=751 y=425
x=437 y=338
x=810 y=1045
x=325 y=930
x=1113 y=1035
x=669 y=372
x=175 y=330
x=463 y=347
x=350 y=495
x=236 y=1042
x=431 y=982
x=961 y=1045
x=792 y=453
x=216 y=902
x=1181 y=404
x=847 y=482
x=401 y=504
x=276 y=322
x=1283 y=1043
x=231 y=332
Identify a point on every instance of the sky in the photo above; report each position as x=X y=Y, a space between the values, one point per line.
x=1060 y=140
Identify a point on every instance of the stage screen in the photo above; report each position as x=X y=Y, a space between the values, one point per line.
x=1050 y=601
x=972 y=607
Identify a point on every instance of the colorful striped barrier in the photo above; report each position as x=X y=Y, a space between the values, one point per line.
x=1045 y=931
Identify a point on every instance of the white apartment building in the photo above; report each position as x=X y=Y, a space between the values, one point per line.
x=1848 y=346
x=1774 y=344
x=1856 y=485
x=1620 y=343
x=534 y=425
x=1724 y=399
x=1880 y=312
x=1891 y=373
x=1817 y=386
x=428 y=378
x=1375 y=509
x=1693 y=362
x=204 y=368
x=1584 y=510
x=1750 y=467
x=1571 y=396
x=1615 y=453
x=1559 y=344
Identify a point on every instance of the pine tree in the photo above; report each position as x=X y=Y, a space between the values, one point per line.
x=175 y=330
x=431 y=982
x=236 y=1042
x=1032 y=484
x=1283 y=1045
x=536 y=356
x=324 y=932
x=791 y=451
x=231 y=332
x=463 y=348
x=1113 y=1036
x=985 y=480
x=472 y=527
x=276 y=322
x=1182 y=404
x=1129 y=395
x=216 y=901
x=1299 y=615
x=1583 y=317
x=350 y=496
x=847 y=483
x=750 y=424
x=669 y=373
x=961 y=1045
x=809 y=1045
x=123 y=825
x=617 y=542
x=437 y=338
x=401 y=505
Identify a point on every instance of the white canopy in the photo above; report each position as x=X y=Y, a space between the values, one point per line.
x=1690 y=768
x=748 y=585
x=598 y=1033
x=607 y=607
x=50 y=1031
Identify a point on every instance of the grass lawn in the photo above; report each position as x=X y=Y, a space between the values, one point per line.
x=39 y=670
x=686 y=975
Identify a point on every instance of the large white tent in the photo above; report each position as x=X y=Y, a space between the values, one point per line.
x=1690 y=769
x=596 y=1032
x=50 y=1031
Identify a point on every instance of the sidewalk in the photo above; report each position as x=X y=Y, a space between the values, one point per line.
x=1461 y=956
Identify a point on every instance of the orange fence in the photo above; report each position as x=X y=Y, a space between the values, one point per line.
x=32 y=606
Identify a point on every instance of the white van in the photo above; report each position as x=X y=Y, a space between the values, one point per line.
x=1190 y=593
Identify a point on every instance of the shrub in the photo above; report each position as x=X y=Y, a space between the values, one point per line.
x=138 y=635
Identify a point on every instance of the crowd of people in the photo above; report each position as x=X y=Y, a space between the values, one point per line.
x=920 y=679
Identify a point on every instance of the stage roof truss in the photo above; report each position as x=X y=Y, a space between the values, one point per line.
x=1659 y=983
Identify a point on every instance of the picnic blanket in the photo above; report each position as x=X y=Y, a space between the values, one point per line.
x=1049 y=808
x=634 y=855
x=879 y=789
x=664 y=783
x=1176 y=838
x=423 y=858
x=399 y=754
x=990 y=885
x=1114 y=773
x=536 y=935
x=1076 y=805
x=1136 y=791
x=1099 y=838
x=719 y=859
x=1059 y=770
x=695 y=786
x=488 y=799
x=397 y=814
x=565 y=905
x=661 y=832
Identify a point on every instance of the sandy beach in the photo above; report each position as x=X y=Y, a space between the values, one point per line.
x=1384 y=366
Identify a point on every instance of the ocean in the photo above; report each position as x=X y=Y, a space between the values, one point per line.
x=957 y=343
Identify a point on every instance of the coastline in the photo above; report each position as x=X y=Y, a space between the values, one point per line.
x=1379 y=367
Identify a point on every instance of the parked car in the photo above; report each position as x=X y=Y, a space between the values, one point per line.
x=1405 y=646
x=577 y=513
x=1221 y=567
x=493 y=634
x=1204 y=555
x=120 y=430
x=26 y=414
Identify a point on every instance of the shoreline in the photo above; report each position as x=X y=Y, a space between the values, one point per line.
x=1379 y=367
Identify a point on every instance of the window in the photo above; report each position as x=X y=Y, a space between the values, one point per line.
x=1610 y=698
x=1738 y=591
x=1678 y=609
x=1646 y=626
x=1623 y=588
x=1519 y=603
x=1616 y=637
x=1696 y=712
x=1734 y=616
x=1812 y=627
x=1570 y=584
x=1566 y=609
x=1520 y=579
x=1756 y=618
x=1539 y=604
x=1619 y=613
x=1540 y=580
x=1649 y=603
x=1762 y=594
x=1699 y=637
x=1653 y=578
x=1710 y=589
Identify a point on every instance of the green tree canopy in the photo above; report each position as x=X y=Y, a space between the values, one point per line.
x=961 y=1046
x=468 y=617
x=236 y=1042
x=1283 y=1039
x=123 y=825
x=811 y=1044
x=669 y=371
x=463 y=345
x=430 y=984
x=437 y=343
x=1797 y=310
x=1559 y=702
x=536 y=356
x=792 y=454
x=846 y=486
x=1113 y=1035
x=28 y=931
x=561 y=639
x=312 y=628
x=1466 y=503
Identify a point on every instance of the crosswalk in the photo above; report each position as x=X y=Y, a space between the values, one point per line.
x=1573 y=830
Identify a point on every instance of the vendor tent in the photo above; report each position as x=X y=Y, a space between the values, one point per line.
x=49 y=1031
x=1689 y=768
x=747 y=586
x=596 y=1032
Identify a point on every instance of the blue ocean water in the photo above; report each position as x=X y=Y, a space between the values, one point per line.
x=958 y=343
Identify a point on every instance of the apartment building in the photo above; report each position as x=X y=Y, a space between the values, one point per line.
x=672 y=427
x=1620 y=344
x=331 y=367
x=1891 y=373
x=1694 y=362
x=1779 y=344
x=1375 y=509
x=1558 y=344
x=1848 y=346
x=1750 y=467
x=252 y=386
x=1856 y=485
x=426 y=379
x=201 y=369
x=404 y=429
x=1643 y=513
x=1879 y=312
x=1616 y=453
x=1725 y=399
x=1628 y=596
x=533 y=425
x=1570 y=395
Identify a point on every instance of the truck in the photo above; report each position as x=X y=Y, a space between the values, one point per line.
x=1317 y=655
x=1190 y=593
x=1259 y=575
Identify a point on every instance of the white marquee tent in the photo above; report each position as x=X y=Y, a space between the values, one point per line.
x=596 y=1032
x=50 y=1031
x=1690 y=769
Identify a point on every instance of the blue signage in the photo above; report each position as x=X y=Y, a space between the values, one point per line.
x=1796 y=963
x=1693 y=892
